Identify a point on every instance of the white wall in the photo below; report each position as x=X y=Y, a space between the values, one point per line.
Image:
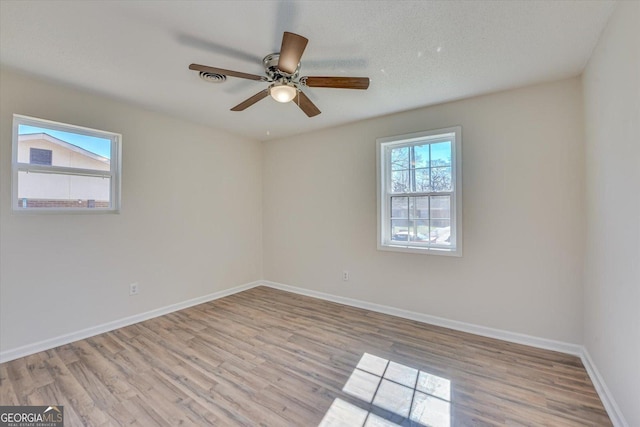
x=189 y=226
x=523 y=167
x=612 y=268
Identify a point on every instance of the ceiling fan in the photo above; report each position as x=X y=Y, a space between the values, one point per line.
x=282 y=71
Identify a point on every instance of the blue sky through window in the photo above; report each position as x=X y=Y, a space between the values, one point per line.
x=99 y=146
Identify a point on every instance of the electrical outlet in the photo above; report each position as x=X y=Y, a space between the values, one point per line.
x=134 y=289
x=345 y=275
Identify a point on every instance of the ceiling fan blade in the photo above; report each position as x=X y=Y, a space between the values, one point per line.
x=291 y=51
x=306 y=105
x=204 y=44
x=206 y=69
x=249 y=102
x=337 y=82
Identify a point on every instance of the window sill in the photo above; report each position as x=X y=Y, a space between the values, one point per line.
x=420 y=250
x=67 y=211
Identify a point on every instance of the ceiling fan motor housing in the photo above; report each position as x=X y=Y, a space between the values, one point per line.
x=270 y=63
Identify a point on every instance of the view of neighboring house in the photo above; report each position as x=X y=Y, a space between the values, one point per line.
x=40 y=189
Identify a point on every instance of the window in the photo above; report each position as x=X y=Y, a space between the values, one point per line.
x=38 y=156
x=419 y=194
x=58 y=167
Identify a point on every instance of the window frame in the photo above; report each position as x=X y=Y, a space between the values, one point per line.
x=384 y=195
x=114 y=173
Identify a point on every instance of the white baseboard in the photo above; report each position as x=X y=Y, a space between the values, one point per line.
x=50 y=343
x=563 y=347
x=606 y=397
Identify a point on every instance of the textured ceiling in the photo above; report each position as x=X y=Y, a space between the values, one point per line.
x=416 y=53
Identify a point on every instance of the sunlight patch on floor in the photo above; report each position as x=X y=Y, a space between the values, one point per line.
x=394 y=389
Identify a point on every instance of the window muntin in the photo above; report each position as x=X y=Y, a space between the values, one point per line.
x=419 y=196
x=64 y=168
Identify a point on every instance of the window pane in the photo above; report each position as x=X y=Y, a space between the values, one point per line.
x=399 y=207
x=48 y=190
x=440 y=231
x=418 y=207
x=421 y=231
x=421 y=156
x=441 y=179
x=43 y=146
x=400 y=182
x=440 y=207
x=421 y=207
x=422 y=180
x=400 y=230
x=441 y=154
x=400 y=158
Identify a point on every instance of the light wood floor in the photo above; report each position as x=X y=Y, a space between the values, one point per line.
x=264 y=357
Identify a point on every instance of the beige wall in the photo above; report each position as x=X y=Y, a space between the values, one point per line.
x=523 y=166
x=612 y=267
x=175 y=235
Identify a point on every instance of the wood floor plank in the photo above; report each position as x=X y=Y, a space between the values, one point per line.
x=52 y=393
x=265 y=357
x=8 y=396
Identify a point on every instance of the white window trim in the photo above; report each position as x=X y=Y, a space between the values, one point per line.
x=383 y=234
x=114 y=172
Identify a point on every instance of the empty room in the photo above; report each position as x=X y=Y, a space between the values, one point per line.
x=320 y=213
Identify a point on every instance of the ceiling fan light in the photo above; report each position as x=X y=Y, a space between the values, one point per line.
x=282 y=92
